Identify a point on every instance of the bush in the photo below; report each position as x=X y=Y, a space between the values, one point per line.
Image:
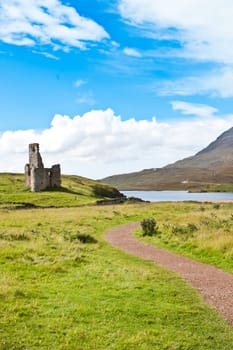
x=179 y=229
x=192 y=228
x=149 y=227
x=83 y=238
x=182 y=229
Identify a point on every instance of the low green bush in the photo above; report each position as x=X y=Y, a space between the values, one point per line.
x=83 y=238
x=149 y=227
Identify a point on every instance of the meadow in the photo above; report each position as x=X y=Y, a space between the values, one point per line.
x=203 y=233
x=64 y=287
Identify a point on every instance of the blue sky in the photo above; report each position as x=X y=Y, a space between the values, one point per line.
x=113 y=86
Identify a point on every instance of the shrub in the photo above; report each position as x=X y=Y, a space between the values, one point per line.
x=149 y=227
x=179 y=229
x=182 y=229
x=83 y=238
x=192 y=228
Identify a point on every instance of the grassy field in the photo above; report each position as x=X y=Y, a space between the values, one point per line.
x=202 y=232
x=75 y=191
x=64 y=287
x=214 y=188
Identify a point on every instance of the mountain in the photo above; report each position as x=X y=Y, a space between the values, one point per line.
x=209 y=168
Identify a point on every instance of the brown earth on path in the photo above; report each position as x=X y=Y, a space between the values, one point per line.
x=215 y=285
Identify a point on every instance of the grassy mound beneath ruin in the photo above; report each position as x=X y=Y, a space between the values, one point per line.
x=75 y=190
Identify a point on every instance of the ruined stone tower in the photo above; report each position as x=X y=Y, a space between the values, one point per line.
x=36 y=176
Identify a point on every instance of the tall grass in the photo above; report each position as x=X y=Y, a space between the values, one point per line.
x=204 y=233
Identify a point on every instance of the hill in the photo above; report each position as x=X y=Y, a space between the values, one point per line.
x=211 y=169
x=75 y=190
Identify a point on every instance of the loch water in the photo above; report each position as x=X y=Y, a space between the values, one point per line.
x=179 y=196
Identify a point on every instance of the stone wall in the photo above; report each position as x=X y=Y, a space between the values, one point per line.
x=36 y=176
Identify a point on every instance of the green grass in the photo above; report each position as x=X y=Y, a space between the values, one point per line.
x=201 y=231
x=76 y=190
x=59 y=293
x=218 y=188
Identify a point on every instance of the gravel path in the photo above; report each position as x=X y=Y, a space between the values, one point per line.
x=214 y=284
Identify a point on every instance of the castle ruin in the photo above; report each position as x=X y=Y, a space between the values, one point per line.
x=37 y=177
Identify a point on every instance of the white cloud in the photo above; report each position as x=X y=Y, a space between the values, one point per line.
x=99 y=143
x=46 y=54
x=46 y=22
x=202 y=27
x=203 y=30
x=80 y=82
x=131 y=52
x=216 y=83
x=86 y=98
x=193 y=108
x=115 y=44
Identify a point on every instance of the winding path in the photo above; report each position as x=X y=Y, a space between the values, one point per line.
x=214 y=284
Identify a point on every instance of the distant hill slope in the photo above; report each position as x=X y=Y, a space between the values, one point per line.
x=207 y=170
x=76 y=190
x=218 y=154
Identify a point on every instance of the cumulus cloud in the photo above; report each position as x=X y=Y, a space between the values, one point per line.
x=46 y=22
x=100 y=143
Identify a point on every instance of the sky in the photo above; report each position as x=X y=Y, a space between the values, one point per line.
x=113 y=86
